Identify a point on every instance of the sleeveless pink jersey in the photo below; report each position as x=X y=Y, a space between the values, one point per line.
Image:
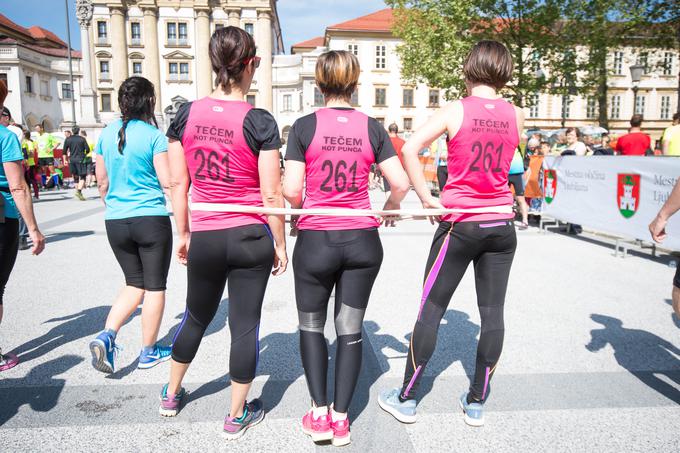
x=222 y=167
x=338 y=162
x=479 y=159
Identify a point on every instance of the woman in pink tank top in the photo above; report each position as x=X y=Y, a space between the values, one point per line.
x=484 y=131
x=226 y=151
x=329 y=154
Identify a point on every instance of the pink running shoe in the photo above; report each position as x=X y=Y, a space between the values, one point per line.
x=341 y=435
x=318 y=429
x=8 y=361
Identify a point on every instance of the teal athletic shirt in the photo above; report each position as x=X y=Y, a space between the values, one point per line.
x=11 y=152
x=134 y=189
x=517 y=164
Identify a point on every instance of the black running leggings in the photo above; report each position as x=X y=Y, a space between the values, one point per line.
x=241 y=257
x=9 y=246
x=348 y=260
x=490 y=246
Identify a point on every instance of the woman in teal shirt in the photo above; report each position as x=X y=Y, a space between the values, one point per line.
x=15 y=199
x=132 y=170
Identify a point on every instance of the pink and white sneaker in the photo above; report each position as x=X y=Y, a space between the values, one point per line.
x=319 y=429
x=8 y=361
x=341 y=435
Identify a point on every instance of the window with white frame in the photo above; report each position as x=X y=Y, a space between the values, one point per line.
x=618 y=63
x=665 y=113
x=640 y=102
x=66 y=91
x=29 y=84
x=178 y=71
x=380 y=57
x=380 y=97
x=408 y=124
x=668 y=63
x=136 y=68
x=287 y=103
x=591 y=107
x=106 y=102
x=407 y=97
x=433 y=98
x=534 y=106
x=353 y=48
x=615 y=107
x=135 y=33
x=177 y=33
x=102 y=32
x=318 y=98
x=104 y=70
x=249 y=28
x=642 y=60
x=566 y=102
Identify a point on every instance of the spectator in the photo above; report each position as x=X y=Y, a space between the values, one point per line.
x=671 y=138
x=574 y=147
x=559 y=145
x=603 y=148
x=398 y=143
x=635 y=142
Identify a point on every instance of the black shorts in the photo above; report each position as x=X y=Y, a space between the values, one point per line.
x=143 y=248
x=518 y=183
x=78 y=168
x=45 y=161
x=676 y=279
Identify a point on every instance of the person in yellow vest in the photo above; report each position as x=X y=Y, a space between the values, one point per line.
x=671 y=138
x=30 y=162
x=45 y=143
x=91 y=179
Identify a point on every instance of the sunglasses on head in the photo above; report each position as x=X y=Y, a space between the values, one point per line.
x=255 y=60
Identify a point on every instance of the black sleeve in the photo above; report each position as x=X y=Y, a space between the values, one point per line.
x=67 y=144
x=380 y=141
x=261 y=131
x=176 y=129
x=300 y=137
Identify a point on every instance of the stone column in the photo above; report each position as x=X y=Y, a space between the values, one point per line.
x=152 y=59
x=234 y=17
x=203 y=67
x=264 y=49
x=118 y=51
x=88 y=98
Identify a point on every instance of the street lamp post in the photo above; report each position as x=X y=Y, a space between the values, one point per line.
x=636 y=72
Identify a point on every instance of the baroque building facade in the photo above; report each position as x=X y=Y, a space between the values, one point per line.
x=167 y=42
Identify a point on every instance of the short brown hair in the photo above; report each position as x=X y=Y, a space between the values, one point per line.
x=489 y=63
x=230 y=49
x=337 y=74
x=636 y=120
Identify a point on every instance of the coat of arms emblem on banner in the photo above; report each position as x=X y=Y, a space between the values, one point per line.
x=549 y=185
x=628 y=194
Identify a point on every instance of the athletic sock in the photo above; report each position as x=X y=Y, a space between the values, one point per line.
x=319 y=411
x=336 y=416
x=148 y=349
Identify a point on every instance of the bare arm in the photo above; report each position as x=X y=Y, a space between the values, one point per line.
x=396 y=176
x=658 y=226
x=179 y=189
x=102 y=178
x=293 y=182
x=22 y=198
x=270 y=187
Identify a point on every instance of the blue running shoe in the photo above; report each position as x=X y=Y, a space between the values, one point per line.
x=154 y=357
x=253 y=413
x=405 y=411
x=473 y=412
x=104 y=351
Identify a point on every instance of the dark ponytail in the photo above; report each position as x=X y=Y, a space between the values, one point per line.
x=136 y=100
x=231 y=48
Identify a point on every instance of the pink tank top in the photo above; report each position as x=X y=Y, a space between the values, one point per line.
x=479 y=159
x=338 y=162
x=222 y=167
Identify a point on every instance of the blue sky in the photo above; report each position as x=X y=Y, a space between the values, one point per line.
x=300 y=19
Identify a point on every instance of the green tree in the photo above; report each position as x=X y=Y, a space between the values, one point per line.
x=437 y=35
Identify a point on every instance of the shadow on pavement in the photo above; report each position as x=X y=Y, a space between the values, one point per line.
x=456 y=342
x=217 y=324
x=74 y=327
x=636 y=350
x=56 y=237
x=41 y=398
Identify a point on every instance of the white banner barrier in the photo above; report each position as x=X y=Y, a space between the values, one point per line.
x=614 y=194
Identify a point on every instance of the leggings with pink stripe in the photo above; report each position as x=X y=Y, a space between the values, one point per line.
x=490 y=246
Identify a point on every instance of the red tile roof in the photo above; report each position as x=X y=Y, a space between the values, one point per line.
x=4 y=20
x=43 y=50
x=311 y=43
x=380 y=21
x=41 y=33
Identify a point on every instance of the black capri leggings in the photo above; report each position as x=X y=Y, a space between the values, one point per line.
x=241 y=257
x=143 y=248
x=490 y=246
x=349 y=261
x=9 y=246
